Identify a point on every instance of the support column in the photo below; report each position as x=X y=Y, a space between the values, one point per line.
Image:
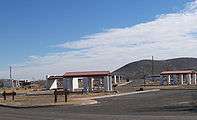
x=169 y=79
x=189 y=79
x=119 y=79
x=100 y=83
x=75 y=83
x=115 y=81
x=106 y=83
x=91 y=84
x=110 y=83
x=182 y=79
x=195 y=79
x=86 y=86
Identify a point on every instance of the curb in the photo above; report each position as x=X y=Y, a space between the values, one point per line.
x=179 y=89
x=89 y=102
x=35 y=106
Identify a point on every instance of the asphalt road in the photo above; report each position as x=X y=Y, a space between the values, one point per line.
x=162 y=105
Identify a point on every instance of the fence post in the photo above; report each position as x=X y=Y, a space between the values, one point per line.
x=13 y=94
x=55 y=93
x=4 y=95
x=66 y=92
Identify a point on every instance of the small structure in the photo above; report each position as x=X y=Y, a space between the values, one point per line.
x=51 y=80
x=7 y=83
x=10 y=83
x=180 y=77
x=24 y=83
x=15 y=83
x=88 y=80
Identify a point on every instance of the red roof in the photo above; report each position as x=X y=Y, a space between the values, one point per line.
x=55 y=77
x=87 y=74
x=178 y=72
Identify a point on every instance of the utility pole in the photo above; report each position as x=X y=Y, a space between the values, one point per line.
x=152 y=65
x=11 y=76
x=10 y=72
x=144 y=77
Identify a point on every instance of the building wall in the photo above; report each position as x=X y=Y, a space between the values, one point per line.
x=71 y=84
x=68 y=84
x=75 y=83
x=7 y=83
x=49 y=83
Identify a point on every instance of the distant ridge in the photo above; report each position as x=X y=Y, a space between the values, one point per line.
x=138 y=69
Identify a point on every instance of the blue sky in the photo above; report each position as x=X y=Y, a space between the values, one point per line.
x=32 y=31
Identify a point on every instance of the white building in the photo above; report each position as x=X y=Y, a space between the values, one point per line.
x=11 y=83
x=70 y=80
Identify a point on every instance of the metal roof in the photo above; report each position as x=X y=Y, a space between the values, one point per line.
x=178 y=72
x=87 y=74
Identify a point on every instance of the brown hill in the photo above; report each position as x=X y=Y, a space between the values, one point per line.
x=138 y=69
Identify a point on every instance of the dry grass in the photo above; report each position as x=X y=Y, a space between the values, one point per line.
x=42 y=100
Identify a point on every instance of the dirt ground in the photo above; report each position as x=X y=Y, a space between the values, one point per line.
x=28 y=100
x=36 y=98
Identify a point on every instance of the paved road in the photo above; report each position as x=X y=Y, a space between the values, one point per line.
x=162 y=105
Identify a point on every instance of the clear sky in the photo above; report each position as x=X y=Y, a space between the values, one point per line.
x=39 y=37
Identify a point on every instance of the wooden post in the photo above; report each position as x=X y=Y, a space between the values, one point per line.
x=4 y=95
x=55 y=93
x=66 y=92
x=13 y=94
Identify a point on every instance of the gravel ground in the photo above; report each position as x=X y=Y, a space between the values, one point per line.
x=161 y=105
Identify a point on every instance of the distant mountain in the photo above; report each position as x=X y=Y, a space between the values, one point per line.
x=138 y=69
